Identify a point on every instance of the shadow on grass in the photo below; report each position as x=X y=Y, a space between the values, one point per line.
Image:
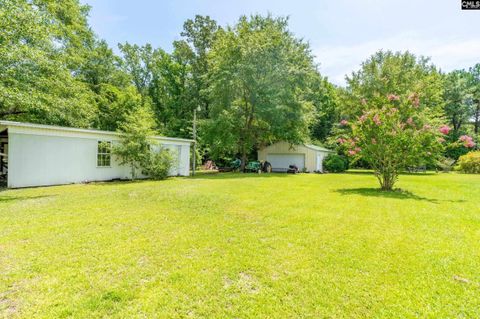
x=396 y=194
x=21 y=198
x=367 y=172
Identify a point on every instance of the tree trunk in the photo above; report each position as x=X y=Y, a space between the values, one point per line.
x=477 y=118
x=132 y=167
x=244 y=159
x=387 y=179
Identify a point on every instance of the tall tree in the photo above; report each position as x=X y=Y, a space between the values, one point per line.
x=458 y=99
x=475 y=85
x=137 y=62
x=41 y=49
x=324 y=97
x=258 y=75
x=199 y=34
x=165 y=80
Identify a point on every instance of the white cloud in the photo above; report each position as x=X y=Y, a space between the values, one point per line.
x=336 y=61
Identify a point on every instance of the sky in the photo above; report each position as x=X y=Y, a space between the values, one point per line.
x=341 y=33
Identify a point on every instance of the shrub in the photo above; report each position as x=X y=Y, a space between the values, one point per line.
x=157 y=165
x=469 y=163
x=335 y=163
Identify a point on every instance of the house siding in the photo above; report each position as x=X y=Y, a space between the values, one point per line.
x=40 y=157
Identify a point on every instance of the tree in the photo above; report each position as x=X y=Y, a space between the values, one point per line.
x=40 y=51
x=458 y=99
x=393 y=114
x=114 y=106
x=134 y=147
x=397 y=73
x=324 y=97
x=258 y=77
x=399 y=134
x=475 y=85
x=199 y=35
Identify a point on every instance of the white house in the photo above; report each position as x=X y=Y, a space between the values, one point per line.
x=283 y=154
x=38 y=155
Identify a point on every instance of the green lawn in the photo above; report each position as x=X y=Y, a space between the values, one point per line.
x=243 y=246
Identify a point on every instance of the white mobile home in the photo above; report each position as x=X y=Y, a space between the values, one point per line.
x=283 y=154
x=38 y=155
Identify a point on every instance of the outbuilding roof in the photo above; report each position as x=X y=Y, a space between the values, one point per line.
x=81 y=130
x=318 y=148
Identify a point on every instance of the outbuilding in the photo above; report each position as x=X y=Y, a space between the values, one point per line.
x=306 y=157
x=39 y=155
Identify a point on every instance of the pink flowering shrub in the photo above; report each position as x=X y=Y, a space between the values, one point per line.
x=467 y=141
x=391 y=135
x=444 y=129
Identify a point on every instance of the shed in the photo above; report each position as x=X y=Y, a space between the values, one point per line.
x=39 y=155
x=283 y=154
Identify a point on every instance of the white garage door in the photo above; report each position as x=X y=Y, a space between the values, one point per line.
x=285 y=160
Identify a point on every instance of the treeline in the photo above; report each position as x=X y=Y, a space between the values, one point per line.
x=252 y=83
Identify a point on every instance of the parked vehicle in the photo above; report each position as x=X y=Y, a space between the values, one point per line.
x=292 y=169
x=232 y=166
x=257 y=166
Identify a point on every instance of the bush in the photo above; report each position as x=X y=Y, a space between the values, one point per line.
x=335 y=163
x=469 y=163
x=455 y=150
x=157 y=165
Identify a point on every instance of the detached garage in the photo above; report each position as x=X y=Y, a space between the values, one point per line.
x=283 y=154
x=38 y=155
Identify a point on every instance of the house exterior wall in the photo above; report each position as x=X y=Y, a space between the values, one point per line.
x=287 y=148
x=39 y=157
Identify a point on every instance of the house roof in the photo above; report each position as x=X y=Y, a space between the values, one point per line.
x=318 y=148
x=81 y=130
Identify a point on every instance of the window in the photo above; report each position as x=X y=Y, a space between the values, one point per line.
x=104 y=154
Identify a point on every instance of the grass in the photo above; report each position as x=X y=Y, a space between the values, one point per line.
x=243 y=246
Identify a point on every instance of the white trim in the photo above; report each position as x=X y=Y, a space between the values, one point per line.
x=110 y=154
x=58 y=130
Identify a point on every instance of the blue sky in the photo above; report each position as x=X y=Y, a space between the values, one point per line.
x=342 y=33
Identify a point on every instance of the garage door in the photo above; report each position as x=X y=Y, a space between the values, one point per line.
x=284 y=160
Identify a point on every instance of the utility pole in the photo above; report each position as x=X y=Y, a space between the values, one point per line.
x=194 y=141
x=195 y=110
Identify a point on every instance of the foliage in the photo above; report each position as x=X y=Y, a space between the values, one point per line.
x=199 y=35
x=455 y=150
x=41 y=48
x=134 y=148
x=163 y=79
x=458 y=99
x=324 y=97
x=397 y=73
x=469 y=163
x=475 y=87
x=258 y=76
x=393 y=130
x=157 y=164
x=334 y=163
x=114 y=105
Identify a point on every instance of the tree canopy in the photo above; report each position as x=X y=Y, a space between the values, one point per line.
x=254 y=83
x=258 y=80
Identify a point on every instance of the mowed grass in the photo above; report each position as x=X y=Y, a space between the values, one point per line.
x=243 y=246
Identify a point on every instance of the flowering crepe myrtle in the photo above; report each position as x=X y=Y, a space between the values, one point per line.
x=398 y=134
